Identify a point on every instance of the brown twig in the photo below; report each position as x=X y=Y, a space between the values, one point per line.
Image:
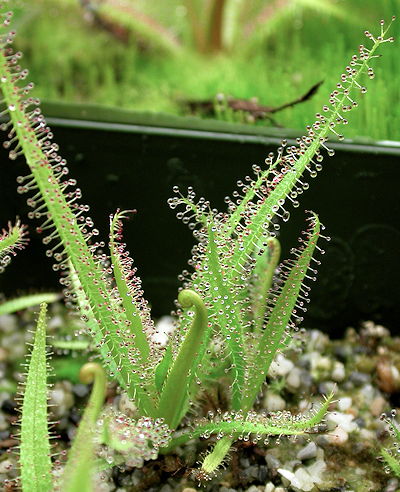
x=257 y=111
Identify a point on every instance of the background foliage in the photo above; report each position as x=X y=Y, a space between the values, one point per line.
x=304 y=41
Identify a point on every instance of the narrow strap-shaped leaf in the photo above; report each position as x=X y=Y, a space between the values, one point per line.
x=122 y=278
x=231 y=327
x=23 y=302
x=284 y=181
x=77 y=476
x=70 y=344
x=35 y=446
x=280 y=316
x=162 y=369
x=90 y=321
x=264 y=271
x=278 y=424
x=176 y=386
x=233 y=425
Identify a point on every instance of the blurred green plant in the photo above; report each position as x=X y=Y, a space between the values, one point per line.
x=212 y=26
x=307 y=47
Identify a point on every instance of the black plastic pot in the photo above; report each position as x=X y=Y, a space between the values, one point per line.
x=128 y=160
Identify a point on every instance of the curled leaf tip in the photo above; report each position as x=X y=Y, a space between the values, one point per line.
x=90 y=371
x=188 y=298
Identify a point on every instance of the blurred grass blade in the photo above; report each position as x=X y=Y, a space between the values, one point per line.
x=24 y=302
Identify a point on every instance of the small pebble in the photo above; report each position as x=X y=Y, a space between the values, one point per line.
x=253 y=488
x=280 y=366
x=337 y=436
x=326 y=387
x=80 y=390
x=323 y=363
x=338 y=373
x=272 y=461
x=8 y=323
x=392 y=485
x=344 y=420
x=6 y=466
x=308 y=452
x=344 y=403
x=61 y=398
x=368 y=435
x=377 y=406
x=293 y=379
x=342 y=352
x=359 y=378
x=305 y=479
x=251 y=473
x=3 y=354
x=262 y=473
x=369 y=393
x=244 y=462
x=318 y=340
x=388 y=376
x=360 y=422
x=55 y=322
x=273 y=402
x=166 y=488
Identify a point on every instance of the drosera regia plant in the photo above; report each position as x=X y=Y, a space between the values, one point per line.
x=37 y=472
x=234 y=313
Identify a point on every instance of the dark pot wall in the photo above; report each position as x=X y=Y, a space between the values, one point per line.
x=135 y=162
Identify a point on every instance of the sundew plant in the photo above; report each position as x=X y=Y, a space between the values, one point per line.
x=237 y=307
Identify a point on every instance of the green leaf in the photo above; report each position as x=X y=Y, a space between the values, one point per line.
x=177 y=383
x=232 y=327
x=280 y=315
x=24 y=302
x=257 y=426
x=392 y=462
x=235 y=425
x=77 y=476
x=35 y=447
x=264 y=271
x=70 y=344
x=128 y=287
x=162 y=368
